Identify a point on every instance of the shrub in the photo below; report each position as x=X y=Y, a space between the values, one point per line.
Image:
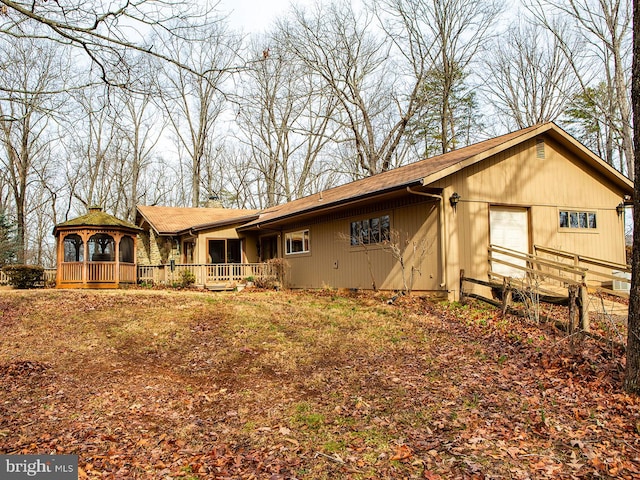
x=187 y=278
x=278 y=268
x=268 y=282
x=24 y=276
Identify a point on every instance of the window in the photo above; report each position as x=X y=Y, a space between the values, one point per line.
x=297 y=242
x=102 y=248
x=225 y=251
x=579 y=220
x=370 y=230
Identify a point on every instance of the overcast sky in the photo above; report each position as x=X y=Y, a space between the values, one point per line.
x=254 y=16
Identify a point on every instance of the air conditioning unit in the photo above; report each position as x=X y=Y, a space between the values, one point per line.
x=623 y=285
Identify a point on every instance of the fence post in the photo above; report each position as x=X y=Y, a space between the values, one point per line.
x=461 y=299
x=573 y=304
x=584 y=308
x=507 y=295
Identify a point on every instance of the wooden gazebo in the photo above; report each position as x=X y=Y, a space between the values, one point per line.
x=96 y=250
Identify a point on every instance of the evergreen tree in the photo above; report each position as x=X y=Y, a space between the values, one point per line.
x=8 y=241
x=448 y=119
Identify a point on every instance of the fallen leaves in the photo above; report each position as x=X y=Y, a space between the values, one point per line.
x=306 y=385
x=402 y=452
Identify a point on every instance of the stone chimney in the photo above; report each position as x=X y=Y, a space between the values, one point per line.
x=213 y=201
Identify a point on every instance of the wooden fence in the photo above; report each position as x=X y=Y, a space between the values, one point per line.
x=540 y=278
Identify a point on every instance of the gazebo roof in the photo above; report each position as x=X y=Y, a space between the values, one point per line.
x=96 y=218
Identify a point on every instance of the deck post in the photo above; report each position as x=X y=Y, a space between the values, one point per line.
x=461 y=299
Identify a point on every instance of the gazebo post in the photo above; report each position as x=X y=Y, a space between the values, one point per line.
x=116 y=238
x=85 y=256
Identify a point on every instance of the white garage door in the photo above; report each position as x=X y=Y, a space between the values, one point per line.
x=509 y=228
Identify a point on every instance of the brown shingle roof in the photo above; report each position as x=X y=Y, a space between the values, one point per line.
x=172 y=220
x=427 y=171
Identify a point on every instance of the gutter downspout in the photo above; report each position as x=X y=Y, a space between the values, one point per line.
x=443 y=250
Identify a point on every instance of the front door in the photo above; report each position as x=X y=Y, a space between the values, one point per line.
x=509 y=228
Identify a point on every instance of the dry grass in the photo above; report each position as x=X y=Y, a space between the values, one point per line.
x=159 y=384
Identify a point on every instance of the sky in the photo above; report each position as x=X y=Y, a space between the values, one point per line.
x=254 y=16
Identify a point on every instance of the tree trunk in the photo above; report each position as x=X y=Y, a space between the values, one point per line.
x=632 y=374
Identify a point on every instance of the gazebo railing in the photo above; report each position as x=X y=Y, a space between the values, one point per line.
x=101 y=272
x=71 y=272
x=97 y=272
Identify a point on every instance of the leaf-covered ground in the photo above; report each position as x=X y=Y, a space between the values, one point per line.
x=282 y=385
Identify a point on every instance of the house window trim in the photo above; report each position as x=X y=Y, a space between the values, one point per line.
x=288 y=235
x=578 y=229
x=380 y=241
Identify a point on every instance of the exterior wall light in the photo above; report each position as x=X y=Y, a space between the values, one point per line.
x=620 y=208
x=454 y=199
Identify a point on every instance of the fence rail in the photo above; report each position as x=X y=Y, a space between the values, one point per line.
x=599 y=274
x=538 y=278
x=206 y=275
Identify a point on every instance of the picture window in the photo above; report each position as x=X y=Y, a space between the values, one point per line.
x=370 y=230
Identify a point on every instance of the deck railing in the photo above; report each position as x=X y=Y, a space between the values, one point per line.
x=605 y=275
x=206 y=275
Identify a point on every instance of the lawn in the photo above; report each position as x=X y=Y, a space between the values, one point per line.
x=282 y=385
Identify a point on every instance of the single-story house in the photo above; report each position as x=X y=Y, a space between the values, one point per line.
x=419 y=225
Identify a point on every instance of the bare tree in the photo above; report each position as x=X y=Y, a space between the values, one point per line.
x=603 y=26
x=29 y=74
x=444 y=37
x=93 y=150
x=285 y=114
x=140 y=127
x=194 y=101
x=106 y=32
x=376 y=96
x=529 y=79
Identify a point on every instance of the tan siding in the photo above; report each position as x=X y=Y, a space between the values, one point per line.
x=201 y=252
x=517 y=177
x=330 y=247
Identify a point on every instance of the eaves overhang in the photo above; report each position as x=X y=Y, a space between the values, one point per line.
x=369 y=197
x=218 y=224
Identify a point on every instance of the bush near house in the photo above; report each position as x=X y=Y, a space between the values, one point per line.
x=24 y=276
